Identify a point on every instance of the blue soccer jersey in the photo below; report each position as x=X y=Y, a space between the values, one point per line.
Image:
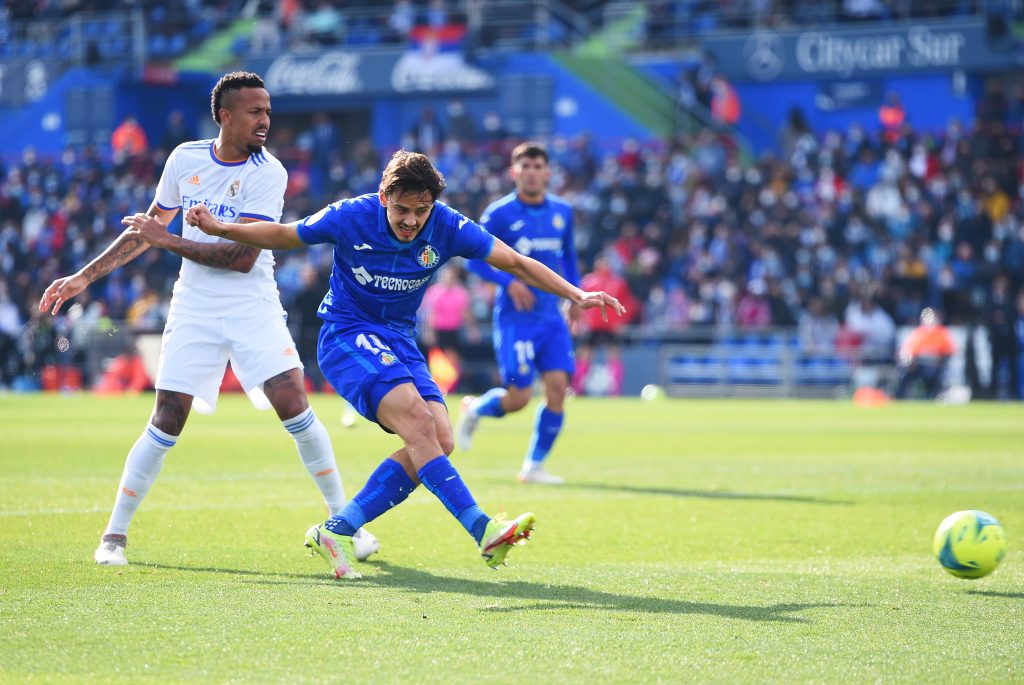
x=543 y=232
x=539 y=339
x=376 y=276
x=367 y=345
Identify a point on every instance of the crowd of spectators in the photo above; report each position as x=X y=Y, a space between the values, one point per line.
x=173 y=27
x=845 y=235
x=674 y=19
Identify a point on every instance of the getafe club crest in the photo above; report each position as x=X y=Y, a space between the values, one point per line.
x=233 y=190
x=558 y=222
x=387 y=359
x=428 y=257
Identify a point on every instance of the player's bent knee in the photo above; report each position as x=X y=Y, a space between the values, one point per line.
x=171 y=411
x=555 y=399
x=556 y=384
x=447 y=444
x=517 y=399
x=290 y=407
x=287 y=394
x=418 y=424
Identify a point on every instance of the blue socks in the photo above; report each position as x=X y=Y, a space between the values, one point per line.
x=441 y=478
x=387 y=487
x=546 y=428
x=489 y=403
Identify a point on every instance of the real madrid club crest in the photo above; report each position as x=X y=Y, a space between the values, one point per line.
x=387 y=359
x=427 y=257
x=233 y=190
x=558 y=222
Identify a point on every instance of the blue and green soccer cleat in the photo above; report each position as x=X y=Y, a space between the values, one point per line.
x=337 y=550
x=501 y=535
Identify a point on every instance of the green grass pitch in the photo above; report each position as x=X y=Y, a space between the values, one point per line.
x=696 y=541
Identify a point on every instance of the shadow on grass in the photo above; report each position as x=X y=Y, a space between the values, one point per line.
x=560 y=597
x=993 y=593
x=234 y=571
x=547 y=597
x=704 y=494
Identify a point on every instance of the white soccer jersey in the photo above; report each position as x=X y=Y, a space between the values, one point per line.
x=249 y=189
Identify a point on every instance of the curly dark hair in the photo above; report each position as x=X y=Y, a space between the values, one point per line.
x=530 y=150
x=231 y=83
x=411 y=172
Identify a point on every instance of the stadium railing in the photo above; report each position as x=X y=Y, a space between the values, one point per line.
x=696 y=361
x=762 y=364
x=92 y=39
x=704 y=362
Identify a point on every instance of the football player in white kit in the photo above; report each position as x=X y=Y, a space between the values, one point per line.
x=224 y=305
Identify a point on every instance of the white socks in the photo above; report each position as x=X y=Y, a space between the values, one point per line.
x=147 y=457
x=314 y=447
x=140 y=470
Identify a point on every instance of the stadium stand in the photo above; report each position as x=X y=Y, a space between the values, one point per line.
x=709 y=239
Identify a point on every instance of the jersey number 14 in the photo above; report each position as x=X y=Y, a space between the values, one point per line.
x=371 y=343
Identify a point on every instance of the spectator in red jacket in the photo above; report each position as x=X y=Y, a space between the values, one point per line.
x=892 y=116
x=129 y=139
x=602 y=335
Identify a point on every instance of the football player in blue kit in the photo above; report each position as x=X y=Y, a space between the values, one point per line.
x=531 y=333
x=386 y=248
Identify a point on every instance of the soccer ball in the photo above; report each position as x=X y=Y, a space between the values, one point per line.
x=651 y=392
x=969 y=544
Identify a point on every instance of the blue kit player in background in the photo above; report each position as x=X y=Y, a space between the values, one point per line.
x=387 y=246
x=530 y=330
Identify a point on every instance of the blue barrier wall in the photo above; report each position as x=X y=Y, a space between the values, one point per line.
x=581 y=108
x=929 y=101
x=43 y=124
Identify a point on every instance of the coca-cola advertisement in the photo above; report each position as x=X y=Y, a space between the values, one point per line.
x=337 y=72
x=331 y=73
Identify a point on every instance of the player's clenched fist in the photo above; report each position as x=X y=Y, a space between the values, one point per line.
x=148 y=228
x=200 y=217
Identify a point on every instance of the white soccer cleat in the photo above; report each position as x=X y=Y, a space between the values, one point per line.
x=348 y=417
x=364 y=544
x=538 y=475
x=468 y=421
x=111 y=551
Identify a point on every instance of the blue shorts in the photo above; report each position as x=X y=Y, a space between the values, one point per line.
x=523 y=348
x=363 y=361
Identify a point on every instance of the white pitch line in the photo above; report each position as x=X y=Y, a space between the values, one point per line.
x=180 y=507
x=223 y=506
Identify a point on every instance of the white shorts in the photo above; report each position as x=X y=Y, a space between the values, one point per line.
x=195 y=352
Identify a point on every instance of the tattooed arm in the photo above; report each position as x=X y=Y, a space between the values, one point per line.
x=124 y=249
x=231 y=256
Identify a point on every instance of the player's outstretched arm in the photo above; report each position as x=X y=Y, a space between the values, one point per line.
x=522 y=297
x=124 y=249
x=152 y=228
x=532 y=272
x=268 y=235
